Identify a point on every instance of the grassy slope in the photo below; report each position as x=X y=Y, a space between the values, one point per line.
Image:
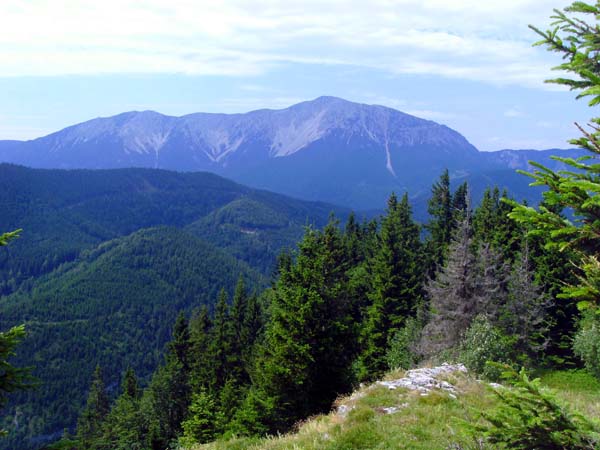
x=427 y=422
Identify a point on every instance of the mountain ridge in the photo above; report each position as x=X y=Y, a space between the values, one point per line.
x=326 y=149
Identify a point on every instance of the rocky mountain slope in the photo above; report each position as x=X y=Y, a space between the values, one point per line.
x=327 y=149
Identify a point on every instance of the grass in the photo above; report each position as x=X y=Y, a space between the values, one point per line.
x=435 y=421
x=577 y=388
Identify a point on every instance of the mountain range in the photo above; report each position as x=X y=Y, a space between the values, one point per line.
x=327 y=149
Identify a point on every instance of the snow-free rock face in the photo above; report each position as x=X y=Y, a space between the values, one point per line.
x=205 y=141
x=327 y=149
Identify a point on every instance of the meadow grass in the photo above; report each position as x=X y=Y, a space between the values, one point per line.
x=423 y=422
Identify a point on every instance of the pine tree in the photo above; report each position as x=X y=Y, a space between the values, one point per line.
x=201 y=366
x=201 y=424
x=166 y=401
x=452 y=294
x=397 y=278
x=441 y=221
x=91 y=420
x=525 y=316
x=123 y=428
x=305 y=360
x=221 y=342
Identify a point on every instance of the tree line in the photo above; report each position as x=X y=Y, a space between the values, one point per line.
x=353 y=302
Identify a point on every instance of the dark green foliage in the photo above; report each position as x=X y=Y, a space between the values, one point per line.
x=492 y=225
x=91 y=420
x=530 y=417
x=116 y=308
x=78 y=276
x=396 y=284
x=200 y=361
x=441 y=221
x=524 y=315
x=170 y=389
x=12 y=378
x=65 y=212
x=305 y=360
x=123 y=429
x=201 y=425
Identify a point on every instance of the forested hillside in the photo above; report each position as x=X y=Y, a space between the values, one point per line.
x=354 y=301
x=105 y=261
x=64 y=212
x=162 y=310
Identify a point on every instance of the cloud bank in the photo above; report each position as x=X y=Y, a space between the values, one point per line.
x=474 y=40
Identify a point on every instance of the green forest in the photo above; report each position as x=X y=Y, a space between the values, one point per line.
x=173 y=331
x=353 y=302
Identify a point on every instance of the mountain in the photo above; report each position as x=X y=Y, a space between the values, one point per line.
x=328 y=149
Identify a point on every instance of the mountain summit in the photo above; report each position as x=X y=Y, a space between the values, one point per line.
x=326 y=149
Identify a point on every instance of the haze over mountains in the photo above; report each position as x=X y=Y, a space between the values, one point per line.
x=328 y=149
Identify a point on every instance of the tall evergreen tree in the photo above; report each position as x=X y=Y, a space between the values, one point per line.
x=123 y=428
x=221 y=342
x=525 y=313
x=201 y=366
x=452 y=294
x=239 y=309
x=397 y=279
x=166 y=401
x=441 y=221
x=305 y=360
x=91 y=420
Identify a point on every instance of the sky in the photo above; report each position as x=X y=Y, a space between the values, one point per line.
x=468 y=64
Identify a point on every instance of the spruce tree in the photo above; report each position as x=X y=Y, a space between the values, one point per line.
x=201 y=424
x=201 y=366
x=123 y=428
x=397 y=278
x=525 y=313
x=441 y=222
x=91 y=420
x=167 y=399
x=220 y=343
x=305 y=360
x=452 y=294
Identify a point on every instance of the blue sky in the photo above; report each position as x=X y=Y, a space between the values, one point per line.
x=466 y=63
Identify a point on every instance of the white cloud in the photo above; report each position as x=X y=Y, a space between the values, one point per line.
x=514 y=113
x=468 y=39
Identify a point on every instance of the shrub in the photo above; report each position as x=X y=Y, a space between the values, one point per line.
x=481 y=343
x=401 y=352
x=586 y=345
